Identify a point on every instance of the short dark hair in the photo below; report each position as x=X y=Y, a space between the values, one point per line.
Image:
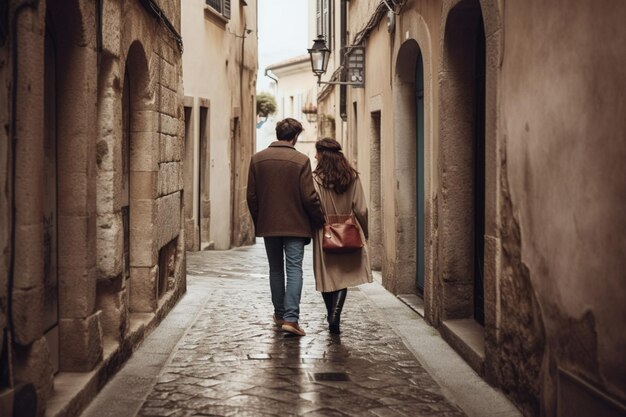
x=288 y=129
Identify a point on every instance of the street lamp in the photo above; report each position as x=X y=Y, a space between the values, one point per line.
x=320 y=54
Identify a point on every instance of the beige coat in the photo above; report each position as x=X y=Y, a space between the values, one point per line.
x=336 y=271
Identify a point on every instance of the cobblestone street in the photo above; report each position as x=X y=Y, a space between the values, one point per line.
x=226 y=357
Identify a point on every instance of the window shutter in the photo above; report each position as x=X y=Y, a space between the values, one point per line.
x=226 y=11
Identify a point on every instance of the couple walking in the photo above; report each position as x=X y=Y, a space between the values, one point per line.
x=288 y=204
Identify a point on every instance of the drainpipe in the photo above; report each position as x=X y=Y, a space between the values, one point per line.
x=343 y=29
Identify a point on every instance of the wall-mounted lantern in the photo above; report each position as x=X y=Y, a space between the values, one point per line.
x=355 y=61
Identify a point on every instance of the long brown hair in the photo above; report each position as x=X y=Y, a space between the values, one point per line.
x=333 y=169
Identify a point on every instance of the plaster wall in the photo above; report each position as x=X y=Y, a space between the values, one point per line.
x=297 y=81
x=217 y=69
x=562 y=124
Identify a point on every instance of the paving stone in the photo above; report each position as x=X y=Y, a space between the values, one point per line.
x=233 y=360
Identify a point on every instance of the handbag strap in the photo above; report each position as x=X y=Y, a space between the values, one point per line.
x=332 y=201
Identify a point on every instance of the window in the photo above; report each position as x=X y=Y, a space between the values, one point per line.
x=220 y=6
x=323 y=21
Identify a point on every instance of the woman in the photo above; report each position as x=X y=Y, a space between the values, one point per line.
x=340 y=191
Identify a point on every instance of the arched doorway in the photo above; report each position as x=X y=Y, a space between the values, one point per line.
x=139 y=165
x=463 y=150
x=410 y=170
x=69 y=196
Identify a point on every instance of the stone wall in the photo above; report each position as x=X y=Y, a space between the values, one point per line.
x=553 y=186
x=98 y=183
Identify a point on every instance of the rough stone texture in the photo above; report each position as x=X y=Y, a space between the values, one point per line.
x=143 y=289
x=113 y=303
x=77 y=292
x=143 y=216
x=28 y=314
x=28 y=255
x=110 y=245
x=522 y=334
x=33 y=364
x=81 y=343
x=168 y=218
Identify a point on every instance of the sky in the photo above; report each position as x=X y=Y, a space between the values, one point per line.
x=283 y=33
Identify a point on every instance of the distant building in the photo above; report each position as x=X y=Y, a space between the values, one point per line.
x=295 y=89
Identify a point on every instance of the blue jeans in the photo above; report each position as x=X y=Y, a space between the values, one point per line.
x=286 y=300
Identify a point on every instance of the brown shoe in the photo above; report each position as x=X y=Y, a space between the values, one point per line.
x=292 y=327
x=277 y=321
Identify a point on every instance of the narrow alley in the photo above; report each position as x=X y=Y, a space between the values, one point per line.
x=218 y=353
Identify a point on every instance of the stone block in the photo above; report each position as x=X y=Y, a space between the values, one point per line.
x=169 y=102
x=169 y=75
x=144 y=185
x=111 y=20
x=77 y=292
x=168 y=218
x=29 y=266
x=33 y=364
x=28 y=314
x=171 y=148
x=168 y=125
x=170 y=175
x=143 y=289
x=406 y=282
x=406 y=235
x=191 y=235
x=29 y=183
x=113 y=303
x=144 y=151
x=142 y=121
x=110 y=245
x=458 y=300
x=73 y=193
x=491 y=298
x=74 y=235
x=80 y=343
x=105 y=197
x=142 y=217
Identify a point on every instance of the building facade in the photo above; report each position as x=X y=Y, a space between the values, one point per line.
x=92 y=247
x=490 y=136
x=220 y=67
x=294 y=91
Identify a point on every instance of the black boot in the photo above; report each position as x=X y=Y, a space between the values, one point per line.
x=328 y=300
x=339 y=297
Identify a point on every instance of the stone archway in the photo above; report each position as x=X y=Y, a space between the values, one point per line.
x=412 y=150
x=468 y=168
x=139 y=168
x=69 y=183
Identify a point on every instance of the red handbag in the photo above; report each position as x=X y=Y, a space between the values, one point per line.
x=341 y=234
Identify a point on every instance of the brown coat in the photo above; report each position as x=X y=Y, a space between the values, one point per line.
x=336 y=271
x=281 y=196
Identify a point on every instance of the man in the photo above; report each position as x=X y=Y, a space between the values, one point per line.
x=284 y=207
